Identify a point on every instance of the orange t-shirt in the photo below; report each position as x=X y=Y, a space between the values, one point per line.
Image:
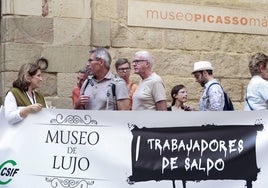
x=131 y=89
x=75 y=94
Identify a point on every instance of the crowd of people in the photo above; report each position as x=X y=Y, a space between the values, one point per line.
x=98 y=88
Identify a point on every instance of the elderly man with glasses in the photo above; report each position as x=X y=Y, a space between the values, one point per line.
x=150 y=93
x=102 y=90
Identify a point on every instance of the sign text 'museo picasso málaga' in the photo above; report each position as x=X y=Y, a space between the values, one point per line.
x=182 y=16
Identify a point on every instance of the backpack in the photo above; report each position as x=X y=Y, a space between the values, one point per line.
x=228 y=104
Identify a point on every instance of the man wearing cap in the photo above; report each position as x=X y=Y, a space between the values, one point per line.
x=212 y=98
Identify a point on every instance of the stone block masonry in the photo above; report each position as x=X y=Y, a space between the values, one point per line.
x=63 y=31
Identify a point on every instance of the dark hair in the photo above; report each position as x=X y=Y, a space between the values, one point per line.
x=210 y=72
x=121 y=61
x=175 y=90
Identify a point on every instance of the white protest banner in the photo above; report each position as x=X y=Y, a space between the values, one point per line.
x=59 y=148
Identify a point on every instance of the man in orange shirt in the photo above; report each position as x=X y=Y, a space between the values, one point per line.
x=81 y=77
x=122 y=66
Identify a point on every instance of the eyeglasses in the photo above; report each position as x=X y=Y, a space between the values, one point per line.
x=91 y=60
x=138 y=61
x=125 y=69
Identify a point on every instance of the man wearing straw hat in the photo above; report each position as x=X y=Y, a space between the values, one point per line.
x=212 y=98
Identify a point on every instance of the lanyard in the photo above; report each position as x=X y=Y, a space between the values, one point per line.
x=31 y=99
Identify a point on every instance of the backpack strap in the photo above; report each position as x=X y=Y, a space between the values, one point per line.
x=114 y=96
x=212 y=85
x=114 y=81
x=112 y=85
x=228 y=105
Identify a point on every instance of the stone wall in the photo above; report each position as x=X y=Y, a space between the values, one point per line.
x=64 y=30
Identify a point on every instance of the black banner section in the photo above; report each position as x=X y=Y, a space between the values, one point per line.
x=207 y=152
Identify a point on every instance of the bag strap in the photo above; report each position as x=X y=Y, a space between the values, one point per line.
x=112 y=85
x=113 y=89
x=114 y=96
x=248 y=102
x=212 y=85
x=89 y=81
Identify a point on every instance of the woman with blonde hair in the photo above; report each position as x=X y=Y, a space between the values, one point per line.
x=23 y=99
x=256 y=97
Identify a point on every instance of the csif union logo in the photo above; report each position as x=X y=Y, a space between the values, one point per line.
x=7 y=171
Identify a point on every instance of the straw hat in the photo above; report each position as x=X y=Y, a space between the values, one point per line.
x=202 y=65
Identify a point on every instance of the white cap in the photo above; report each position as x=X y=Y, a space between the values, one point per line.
x=202 y=65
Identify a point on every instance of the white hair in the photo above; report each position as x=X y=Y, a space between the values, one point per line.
x=146 y=56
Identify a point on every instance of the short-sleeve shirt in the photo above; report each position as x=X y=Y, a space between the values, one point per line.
x=257 y=94
x=212 y=99
x=149 y=91
x=75 y=94
x=100 y=93
x=131 y=89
